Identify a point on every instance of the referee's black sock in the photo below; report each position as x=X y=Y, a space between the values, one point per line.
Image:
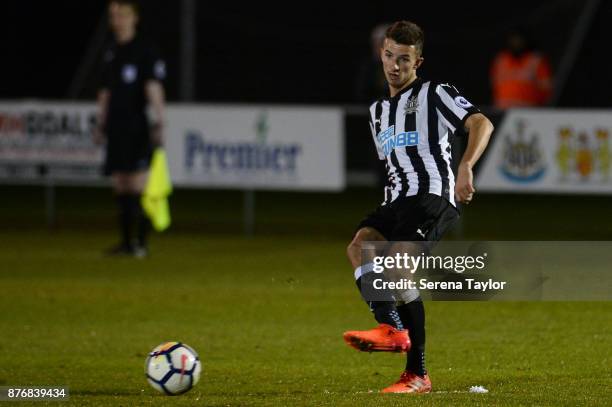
x=413 y=317
x=385 y=312
x=136 y=212
x=125 y=219
x=144 y=224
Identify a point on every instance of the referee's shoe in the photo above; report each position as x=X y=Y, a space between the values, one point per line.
x=128 y=250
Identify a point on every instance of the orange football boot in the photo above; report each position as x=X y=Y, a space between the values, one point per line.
x=383 y=338
x=410 y=383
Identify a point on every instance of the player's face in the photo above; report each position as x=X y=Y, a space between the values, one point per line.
x=400 y=63
x=122 y=18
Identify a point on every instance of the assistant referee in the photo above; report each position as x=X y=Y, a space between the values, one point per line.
x=132 y=79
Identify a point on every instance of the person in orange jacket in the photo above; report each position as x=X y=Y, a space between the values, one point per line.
x=520 y=76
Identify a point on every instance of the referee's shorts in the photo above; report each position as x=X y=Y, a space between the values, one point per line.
x=414 y=218
x=128 y=147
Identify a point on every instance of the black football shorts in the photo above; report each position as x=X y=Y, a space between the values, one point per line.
x=415 y=218
x=128 y=147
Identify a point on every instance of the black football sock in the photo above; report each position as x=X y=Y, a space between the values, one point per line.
x=125 y=219
x=144 y=226
x=135 y=212
x=413 y=317
x=385 y=312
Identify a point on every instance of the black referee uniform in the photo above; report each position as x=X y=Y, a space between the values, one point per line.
x=127 y=68
x=412 y=131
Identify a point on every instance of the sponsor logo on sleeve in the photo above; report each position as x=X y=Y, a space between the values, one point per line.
x=462 y=102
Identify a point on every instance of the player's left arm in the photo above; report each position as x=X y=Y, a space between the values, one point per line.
x=479 y=130
x=157 y=100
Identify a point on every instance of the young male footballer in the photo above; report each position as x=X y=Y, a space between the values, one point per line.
x=411 y=130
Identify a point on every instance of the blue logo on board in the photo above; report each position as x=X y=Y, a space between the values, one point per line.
x=247 y=157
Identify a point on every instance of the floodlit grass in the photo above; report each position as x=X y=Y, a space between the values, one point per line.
x=266 y=315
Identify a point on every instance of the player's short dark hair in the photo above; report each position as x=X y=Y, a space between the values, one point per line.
x=134 y=4
x=407 y=33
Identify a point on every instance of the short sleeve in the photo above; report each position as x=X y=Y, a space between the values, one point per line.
x=453 y=108
x=374 y=125
x=155 y=66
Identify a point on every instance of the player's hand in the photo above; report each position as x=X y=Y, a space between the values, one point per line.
x=99 y=137
x=464 y=187
x=157 y=135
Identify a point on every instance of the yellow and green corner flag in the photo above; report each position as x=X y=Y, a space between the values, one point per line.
x=155 y=197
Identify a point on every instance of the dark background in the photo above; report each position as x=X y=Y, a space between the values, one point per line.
x=304 y=52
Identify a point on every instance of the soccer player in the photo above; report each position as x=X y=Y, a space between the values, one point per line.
x=411 y=130
x=132 y=78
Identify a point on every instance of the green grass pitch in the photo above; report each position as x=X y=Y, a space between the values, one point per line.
x=266 y=314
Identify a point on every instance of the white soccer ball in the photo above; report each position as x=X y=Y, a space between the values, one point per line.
x=173 y=368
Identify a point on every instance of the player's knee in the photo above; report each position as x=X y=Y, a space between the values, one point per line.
x=368 y=234
x=353 y=249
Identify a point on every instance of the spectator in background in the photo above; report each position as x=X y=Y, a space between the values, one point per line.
x=371 y=83
x=520 y=76
x=132 y=79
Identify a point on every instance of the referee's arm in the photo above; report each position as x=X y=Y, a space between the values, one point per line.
x=154 y=91
x=479 y=130
x=102 y=107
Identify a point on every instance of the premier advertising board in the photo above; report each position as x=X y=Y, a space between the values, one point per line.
x=208 y=146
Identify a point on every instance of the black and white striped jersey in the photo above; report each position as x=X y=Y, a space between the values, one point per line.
x=411 y=131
